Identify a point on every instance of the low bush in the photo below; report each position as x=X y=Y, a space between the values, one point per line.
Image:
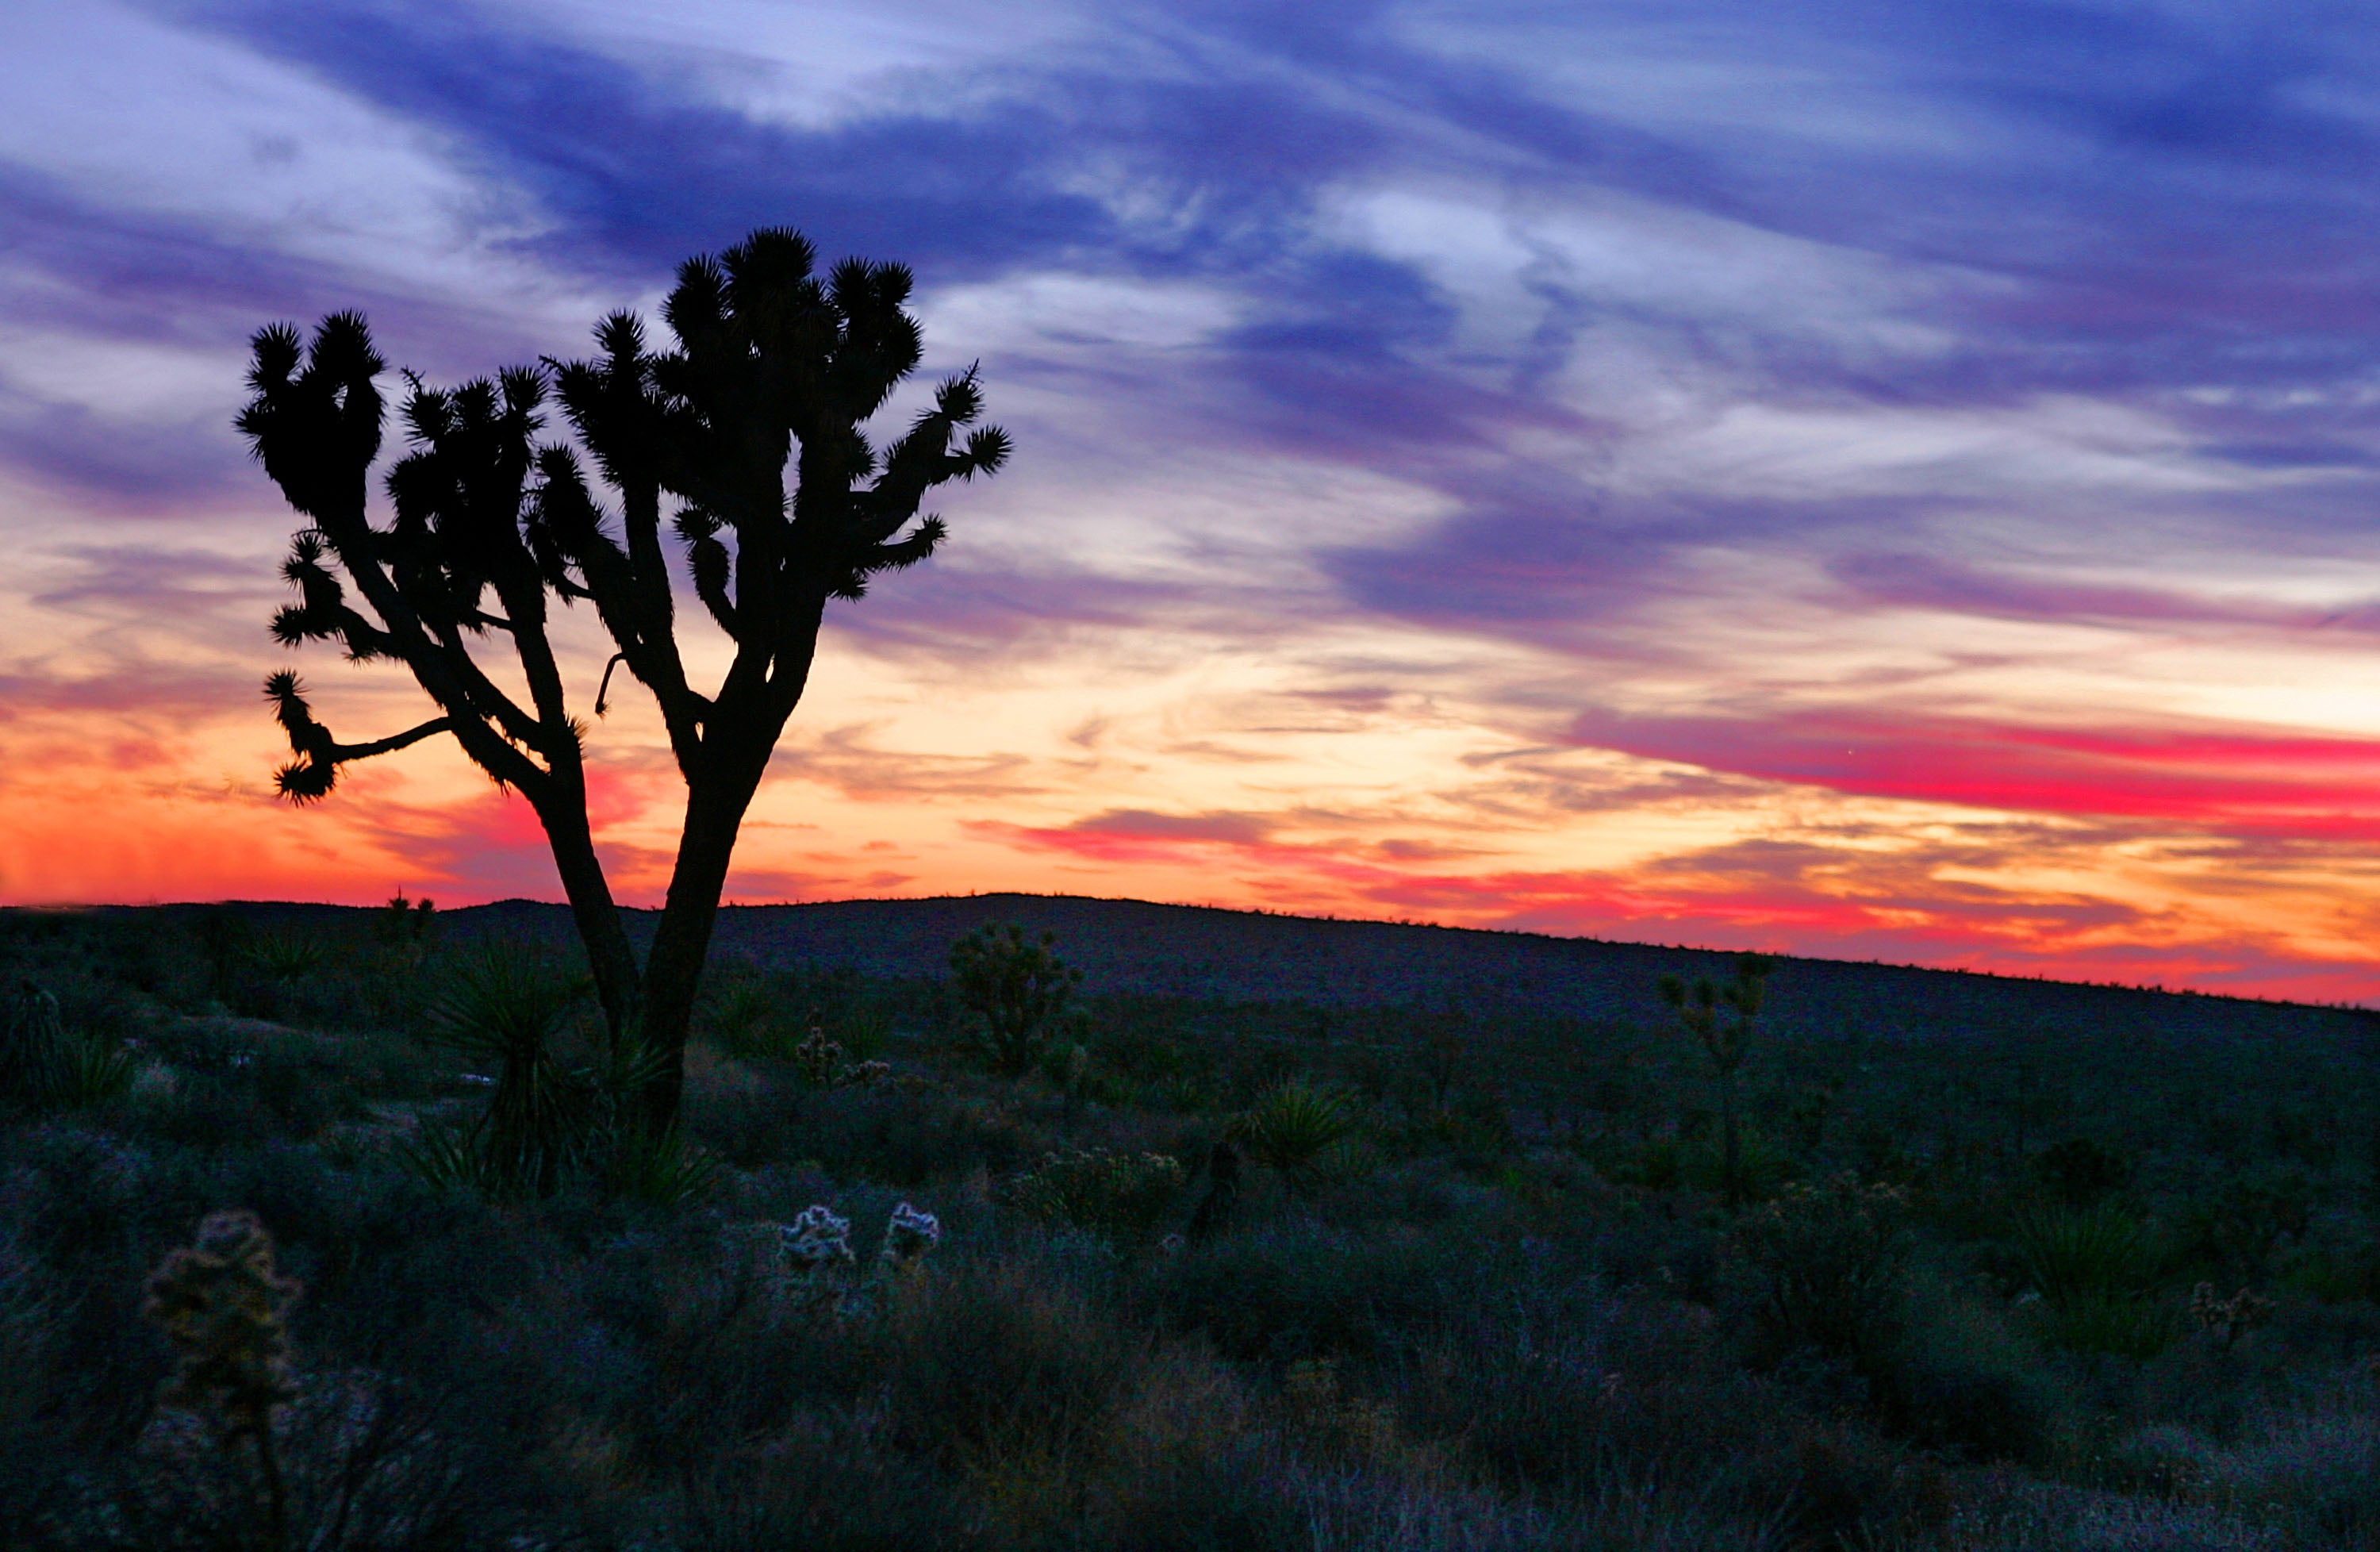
x=1127 y=1197
x=1830 y=1266
x=1530 y=1320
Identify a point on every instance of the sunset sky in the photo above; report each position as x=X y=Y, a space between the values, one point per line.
x=1876 y=480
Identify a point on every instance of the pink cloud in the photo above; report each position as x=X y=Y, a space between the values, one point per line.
x=2194 y=778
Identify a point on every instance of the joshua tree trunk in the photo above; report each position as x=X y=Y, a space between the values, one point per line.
x=610 y=958
x=682 y=941
x=773 y=366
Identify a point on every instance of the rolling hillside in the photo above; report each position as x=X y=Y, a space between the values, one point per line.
x=1240 y=956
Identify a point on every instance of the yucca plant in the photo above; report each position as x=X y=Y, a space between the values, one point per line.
x=97 y=1071
x=35 y=1050
x=1293 y=1129
x=47 y=1065
x=748 y=1021
x=2093 y=1268
x=286 y=956
x=506 y=1004
x=2077 y=1253
x=658 y=1169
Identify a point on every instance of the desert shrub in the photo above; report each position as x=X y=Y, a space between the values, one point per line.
x=1284 y=1290
x=748 y=1115
x=1837 y=1484
x=823 y=994
x=1006 y=1371
x=304 y=1080
x=1184 y=1466
x=1831 y=1265
x=2079 y=1172
x=1555 y=1389
x=906 y=1137
x=823 y=1483
x=1476 y=1129
x=1959 y=1379
x=2317 y=1473
x=1129 y=1197
x=2027 y=1518
x=1014 y=991
x=2236 y=1231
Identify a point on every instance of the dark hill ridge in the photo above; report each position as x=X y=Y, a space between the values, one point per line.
x=1238 y=956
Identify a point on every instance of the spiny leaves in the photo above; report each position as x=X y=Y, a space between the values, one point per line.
x=310 y=777
x=315 y=771
x=772 y=365
x=315 y=419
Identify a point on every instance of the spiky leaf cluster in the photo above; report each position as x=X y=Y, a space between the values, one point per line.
x=775 y=367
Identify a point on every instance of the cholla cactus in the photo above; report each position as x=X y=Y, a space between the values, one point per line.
x=2234 y=1318
x=222 y=1306
x=815 y=1260
x=817 y=1241
x=907 y=1238
x=819 y=1059
x=823 y=1065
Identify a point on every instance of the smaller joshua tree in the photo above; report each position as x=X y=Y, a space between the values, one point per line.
x=223 y=1308
x=1720 y=1018
x=1018 y=990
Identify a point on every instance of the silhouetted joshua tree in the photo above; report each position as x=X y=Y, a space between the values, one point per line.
x=1726 y=1041
x=490 y=527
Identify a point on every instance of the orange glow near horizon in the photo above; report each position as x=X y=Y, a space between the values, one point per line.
x=2176 y=855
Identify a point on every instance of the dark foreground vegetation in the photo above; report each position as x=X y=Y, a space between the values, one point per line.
x=987 y=1259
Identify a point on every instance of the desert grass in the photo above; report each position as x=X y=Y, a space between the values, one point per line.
x=891 y=1291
